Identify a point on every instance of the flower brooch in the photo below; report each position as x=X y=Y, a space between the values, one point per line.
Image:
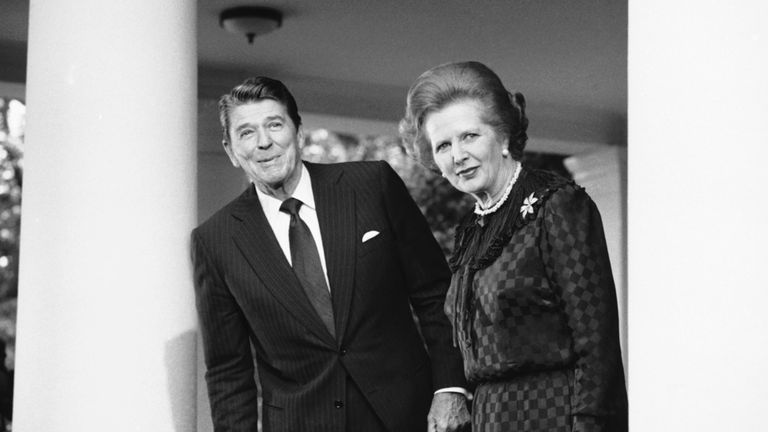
x=527 y=207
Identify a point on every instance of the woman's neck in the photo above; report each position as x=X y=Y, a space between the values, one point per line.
x=487 y=200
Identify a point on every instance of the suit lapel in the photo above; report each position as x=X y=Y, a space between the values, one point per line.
x=257 y=242
x=336 y=214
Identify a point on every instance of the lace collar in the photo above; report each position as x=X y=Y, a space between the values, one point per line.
x=480 y=240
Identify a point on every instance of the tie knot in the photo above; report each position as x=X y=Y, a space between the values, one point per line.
x=291 y=206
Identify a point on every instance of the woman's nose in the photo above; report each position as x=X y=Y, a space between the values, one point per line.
x=459 y=155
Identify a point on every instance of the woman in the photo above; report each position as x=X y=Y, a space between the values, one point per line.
x=532 y=299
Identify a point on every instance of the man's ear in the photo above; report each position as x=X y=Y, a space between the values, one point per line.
x=300 y=137
x=228 y=149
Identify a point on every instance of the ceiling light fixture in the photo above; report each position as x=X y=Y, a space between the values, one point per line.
x=251 y=20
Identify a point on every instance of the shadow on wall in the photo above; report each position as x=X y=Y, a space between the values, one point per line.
x=181 y=368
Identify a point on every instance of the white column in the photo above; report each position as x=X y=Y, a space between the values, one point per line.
x=698 y=140
x=603 y=174
x=106 y=321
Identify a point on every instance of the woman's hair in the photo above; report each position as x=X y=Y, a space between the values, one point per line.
x=254 y=90
x=453 y=82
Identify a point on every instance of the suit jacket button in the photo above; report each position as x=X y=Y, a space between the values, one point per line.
x=343 y=352
x=338 y=404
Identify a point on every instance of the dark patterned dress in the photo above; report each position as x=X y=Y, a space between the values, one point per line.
x=533 y=306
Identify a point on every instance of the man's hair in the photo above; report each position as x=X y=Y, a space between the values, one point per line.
x=252 y=90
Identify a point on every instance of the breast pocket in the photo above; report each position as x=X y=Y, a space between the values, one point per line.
x=373 y=241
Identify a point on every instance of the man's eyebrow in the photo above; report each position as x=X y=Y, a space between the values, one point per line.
x=266 y=119
x=243 y=126
x=274 y=117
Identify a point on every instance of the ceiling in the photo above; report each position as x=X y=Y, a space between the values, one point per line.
x=357 y=57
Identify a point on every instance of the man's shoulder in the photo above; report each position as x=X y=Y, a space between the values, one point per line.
x=351 y=173
x=222 y=217
x=354 y=167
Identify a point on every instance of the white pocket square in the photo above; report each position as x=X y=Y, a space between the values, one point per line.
x=369 y=235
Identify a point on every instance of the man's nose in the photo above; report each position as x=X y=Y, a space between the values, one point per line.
x=263 y=139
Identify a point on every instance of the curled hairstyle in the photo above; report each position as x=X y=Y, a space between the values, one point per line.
x=254 y=90
x=452 y=82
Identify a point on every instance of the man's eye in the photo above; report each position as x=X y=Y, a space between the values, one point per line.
x=245 y=133
x=275 y=125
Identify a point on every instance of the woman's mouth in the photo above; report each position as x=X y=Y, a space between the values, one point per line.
x=467 y=172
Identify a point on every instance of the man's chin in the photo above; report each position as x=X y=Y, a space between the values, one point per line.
x=268 y=184
x=272 y=185
x=272 y=178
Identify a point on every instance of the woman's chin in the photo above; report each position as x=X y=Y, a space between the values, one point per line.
x=468 y=187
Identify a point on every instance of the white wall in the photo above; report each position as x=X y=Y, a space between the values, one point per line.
x=698 y=146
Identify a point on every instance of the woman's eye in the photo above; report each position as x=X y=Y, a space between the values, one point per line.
x=442 y=146
x=470 y=136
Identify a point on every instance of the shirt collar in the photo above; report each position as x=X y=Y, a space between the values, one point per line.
x=302 y=193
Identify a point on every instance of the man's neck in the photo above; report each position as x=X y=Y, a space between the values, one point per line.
x=282 y=191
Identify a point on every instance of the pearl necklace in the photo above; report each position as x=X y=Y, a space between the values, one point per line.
x=483 y=212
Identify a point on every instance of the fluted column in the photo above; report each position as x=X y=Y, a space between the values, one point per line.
x=106 y=322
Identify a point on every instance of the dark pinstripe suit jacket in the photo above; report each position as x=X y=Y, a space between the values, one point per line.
x=246 y=291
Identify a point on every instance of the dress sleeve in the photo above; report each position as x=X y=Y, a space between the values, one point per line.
x=230 y=371
x=427 y=276
x=576 y=260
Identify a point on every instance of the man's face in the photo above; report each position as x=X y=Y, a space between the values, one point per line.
x=264 y=142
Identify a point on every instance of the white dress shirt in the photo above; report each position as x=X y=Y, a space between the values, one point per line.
x=280 y=222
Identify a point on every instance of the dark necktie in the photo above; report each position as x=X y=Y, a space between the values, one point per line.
x=306 y=264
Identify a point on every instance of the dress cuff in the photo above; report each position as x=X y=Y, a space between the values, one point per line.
x=461 y=390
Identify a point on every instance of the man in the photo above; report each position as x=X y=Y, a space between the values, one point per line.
x=317 y=267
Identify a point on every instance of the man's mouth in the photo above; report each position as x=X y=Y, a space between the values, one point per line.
x=268 y=160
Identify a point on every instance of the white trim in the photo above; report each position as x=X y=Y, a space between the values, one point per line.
x=13 y=90
x=349 y=125
x=546 y=145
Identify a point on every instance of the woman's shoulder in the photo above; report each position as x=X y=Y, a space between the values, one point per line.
x=543 y=183
x=557 y=192
x=536 y=190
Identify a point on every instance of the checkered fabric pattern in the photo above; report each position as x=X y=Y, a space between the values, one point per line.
x=531 y=402
x=517 y=321
x=576 y=260
x=547 y=303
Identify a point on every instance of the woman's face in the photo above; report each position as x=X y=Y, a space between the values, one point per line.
x=468 y=150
